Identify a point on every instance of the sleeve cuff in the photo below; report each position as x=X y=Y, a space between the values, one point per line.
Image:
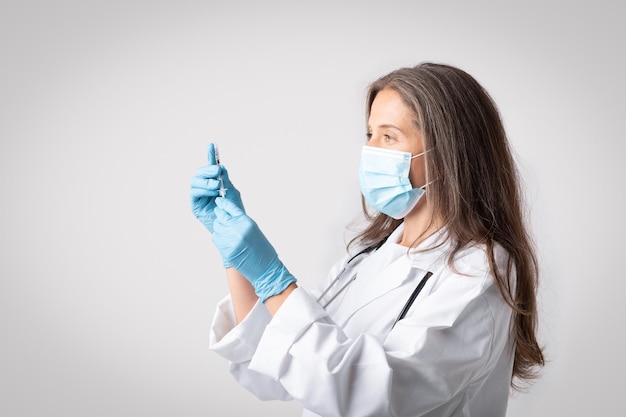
x=237 y=342
x=291 y=320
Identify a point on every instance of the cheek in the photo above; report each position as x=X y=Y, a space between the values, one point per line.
x=417 y=174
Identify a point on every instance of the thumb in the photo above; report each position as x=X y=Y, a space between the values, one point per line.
x=229 y=207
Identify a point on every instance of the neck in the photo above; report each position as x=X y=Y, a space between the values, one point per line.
x=419 y=224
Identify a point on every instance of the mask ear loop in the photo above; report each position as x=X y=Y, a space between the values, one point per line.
x=411 y=253
x=420 y=154
x=423 y=187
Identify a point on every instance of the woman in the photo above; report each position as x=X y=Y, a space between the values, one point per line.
x=433 y=310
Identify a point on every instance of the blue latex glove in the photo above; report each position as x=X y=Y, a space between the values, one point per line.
x=205 y=188
x=244 y=247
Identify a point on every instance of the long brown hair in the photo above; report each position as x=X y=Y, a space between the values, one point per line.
x=476 y=188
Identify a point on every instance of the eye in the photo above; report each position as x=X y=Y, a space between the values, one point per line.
x=388 y=138
x=368 y=135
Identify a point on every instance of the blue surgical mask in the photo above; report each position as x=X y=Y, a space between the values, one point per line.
x=384 y=179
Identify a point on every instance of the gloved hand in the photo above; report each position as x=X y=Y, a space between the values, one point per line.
x=244 y=247
x=205 y=188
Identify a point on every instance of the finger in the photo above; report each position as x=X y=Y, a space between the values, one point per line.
x=228 y=206
x=197 y=193
x=209 y=171
x=208 y=183
x=212 y=159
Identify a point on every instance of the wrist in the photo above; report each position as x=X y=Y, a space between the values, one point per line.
x=274 y=302
x=273 y=282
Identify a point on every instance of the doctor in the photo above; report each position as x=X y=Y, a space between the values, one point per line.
x=432 y=312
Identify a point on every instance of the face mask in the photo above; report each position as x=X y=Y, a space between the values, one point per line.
x=384 y=179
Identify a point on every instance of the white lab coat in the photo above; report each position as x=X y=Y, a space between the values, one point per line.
x=450 y=356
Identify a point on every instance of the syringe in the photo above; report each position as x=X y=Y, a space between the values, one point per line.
x=217 y=161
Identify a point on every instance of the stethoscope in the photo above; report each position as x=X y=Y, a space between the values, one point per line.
x=369 y=249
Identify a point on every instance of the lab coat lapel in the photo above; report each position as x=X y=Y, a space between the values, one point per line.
x=373 y=281
x=389 y=278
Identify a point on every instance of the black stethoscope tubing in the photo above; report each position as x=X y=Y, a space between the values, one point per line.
x=407 y=305
x=412 y=298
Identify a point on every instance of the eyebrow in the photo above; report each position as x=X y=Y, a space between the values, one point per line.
x=387 y=126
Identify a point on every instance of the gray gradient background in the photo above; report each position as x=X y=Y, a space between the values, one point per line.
x=108 y=283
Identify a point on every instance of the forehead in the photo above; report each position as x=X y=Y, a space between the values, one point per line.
x=389 y=107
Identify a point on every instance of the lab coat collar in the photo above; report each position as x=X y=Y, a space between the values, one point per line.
x=429 y=254
x=411 y=267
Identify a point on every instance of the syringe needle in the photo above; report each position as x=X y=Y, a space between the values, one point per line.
x=222 y=190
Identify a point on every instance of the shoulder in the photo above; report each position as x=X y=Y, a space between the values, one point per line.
x=473 y=261
x=469 y=280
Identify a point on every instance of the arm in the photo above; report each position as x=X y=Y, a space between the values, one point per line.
x=241 y=293
x=204 y=191
x=239 y=320
x=262 y=267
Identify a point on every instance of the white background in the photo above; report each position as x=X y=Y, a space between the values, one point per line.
x=107 y=281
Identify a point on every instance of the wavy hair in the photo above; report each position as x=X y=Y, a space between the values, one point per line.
x=477 y=188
